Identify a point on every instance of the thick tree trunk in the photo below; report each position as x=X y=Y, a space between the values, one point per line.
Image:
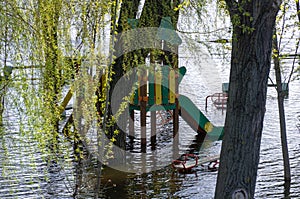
x=250 y=66
x=129 y=10
x=151 y=16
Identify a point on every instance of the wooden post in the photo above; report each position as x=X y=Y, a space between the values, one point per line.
x=143 y=104
x=143 y=125
x=153 y=129
x=176 y=118
x=151 y=102
x=176 y=110
x=131 y=125
x=171 y=53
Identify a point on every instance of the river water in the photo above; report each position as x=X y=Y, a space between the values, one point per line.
x=26 y=172
x=201 y=183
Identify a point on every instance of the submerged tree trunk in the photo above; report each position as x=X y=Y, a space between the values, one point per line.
x=280 y=98
x=253 y=25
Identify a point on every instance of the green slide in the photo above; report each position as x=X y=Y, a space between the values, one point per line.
x=197 y=120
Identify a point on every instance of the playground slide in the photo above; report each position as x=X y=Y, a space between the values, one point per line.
x=197 y=120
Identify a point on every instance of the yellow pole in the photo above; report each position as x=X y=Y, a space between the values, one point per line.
x=172 y=85
x=158 y=79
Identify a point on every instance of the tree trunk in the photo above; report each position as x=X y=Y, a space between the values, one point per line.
x=253 y=24
x=151 y=17
x=129 y=9
x=280 y=98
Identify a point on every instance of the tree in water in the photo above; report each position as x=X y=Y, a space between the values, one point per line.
x=151 y=16
x=253 y=24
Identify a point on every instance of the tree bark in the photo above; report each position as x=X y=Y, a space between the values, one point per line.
x=253 y=25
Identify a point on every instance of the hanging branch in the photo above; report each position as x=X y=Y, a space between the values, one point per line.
x=99 y=138
x=282 y=26
x=110 y=66
x=298 y=42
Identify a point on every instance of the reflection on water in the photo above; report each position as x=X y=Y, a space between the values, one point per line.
x=166 y=183
x=270 y=174
x=26 y=172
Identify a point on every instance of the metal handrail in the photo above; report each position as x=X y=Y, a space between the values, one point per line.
x=221 y=100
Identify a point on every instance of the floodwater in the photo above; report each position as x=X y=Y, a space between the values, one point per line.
x=27 y=172
x=201 y=183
